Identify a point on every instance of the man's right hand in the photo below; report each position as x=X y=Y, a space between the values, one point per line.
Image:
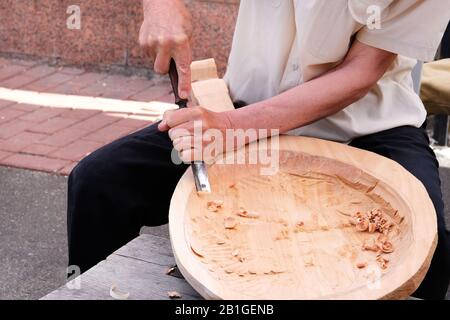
x=166 y=33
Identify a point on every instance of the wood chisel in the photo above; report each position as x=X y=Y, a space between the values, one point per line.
x=198 y=167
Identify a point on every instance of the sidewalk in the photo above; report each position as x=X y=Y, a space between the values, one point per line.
x=51 y=118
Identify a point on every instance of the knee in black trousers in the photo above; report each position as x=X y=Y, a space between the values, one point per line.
x=115 y=191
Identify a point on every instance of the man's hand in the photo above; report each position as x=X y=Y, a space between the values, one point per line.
x=166 y=33
x=193 y=129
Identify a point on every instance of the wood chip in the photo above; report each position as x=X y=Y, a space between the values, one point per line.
x=387 y=247
x=170 y=270
x=114 y=293
x=196 y=247
x=383 y=263
x=214 y=205
x=230 y=223
x=173 y=295
x=361 y=265
x=247 y=214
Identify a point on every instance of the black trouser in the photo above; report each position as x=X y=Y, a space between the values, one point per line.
x=128 y=184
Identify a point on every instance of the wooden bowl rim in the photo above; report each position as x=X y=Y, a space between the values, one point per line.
x=394 y=284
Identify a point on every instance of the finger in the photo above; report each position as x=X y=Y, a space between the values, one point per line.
x=163 y=126
x=182 y=116
x=183 y=59
x=184 y=143
x=188 y=156
x=148 y=44
x=162 y=60
x=186 y=129
x=187 y=142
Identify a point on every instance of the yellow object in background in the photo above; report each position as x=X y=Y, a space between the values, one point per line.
x=435 y=90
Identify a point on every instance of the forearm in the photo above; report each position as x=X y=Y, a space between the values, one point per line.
x=315 y=99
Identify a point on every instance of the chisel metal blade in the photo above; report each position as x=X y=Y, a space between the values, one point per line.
x=198 y=167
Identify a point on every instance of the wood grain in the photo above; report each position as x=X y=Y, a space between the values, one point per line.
x=318 y=183
x=139 y=268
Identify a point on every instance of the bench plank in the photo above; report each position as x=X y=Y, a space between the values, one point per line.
x=138 y=268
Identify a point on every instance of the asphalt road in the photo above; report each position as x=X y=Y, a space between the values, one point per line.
x=33 y=232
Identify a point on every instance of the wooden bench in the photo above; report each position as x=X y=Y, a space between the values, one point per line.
x=139 y=268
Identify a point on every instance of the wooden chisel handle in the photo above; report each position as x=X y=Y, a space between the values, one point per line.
x=173 y=74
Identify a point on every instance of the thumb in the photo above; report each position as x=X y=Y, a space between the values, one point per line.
x=162 y=126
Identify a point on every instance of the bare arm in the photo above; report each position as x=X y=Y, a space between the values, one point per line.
x=166 y=33
x=321 y=97
x=311 y=101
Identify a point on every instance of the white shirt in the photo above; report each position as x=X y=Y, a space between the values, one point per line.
x=279 y=44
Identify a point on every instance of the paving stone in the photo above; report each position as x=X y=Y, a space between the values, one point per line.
x=6 y=103
x=108 y=134
x=64 y=137
x=76 y=150
x=38 y=149
x=53 y=125
x=80 y=114
x=16 y=82
x=133 y=123
x=43 y=114
x=10 y=71
x=21 y=141
x=152 y=93
x=34 y=162
x=4 y=154
x=7 y=114
x=48 y=82
x=26 y=107
x=10 y=129
x=68 y=169
x=95 y=123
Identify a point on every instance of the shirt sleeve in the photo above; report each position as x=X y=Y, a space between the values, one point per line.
x=412 y=28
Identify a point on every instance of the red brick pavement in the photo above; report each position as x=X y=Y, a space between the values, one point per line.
x=38 y=135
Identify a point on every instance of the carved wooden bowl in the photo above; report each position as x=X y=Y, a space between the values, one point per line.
x=291 y=234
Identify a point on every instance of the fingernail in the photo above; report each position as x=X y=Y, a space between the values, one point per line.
x=184 y=94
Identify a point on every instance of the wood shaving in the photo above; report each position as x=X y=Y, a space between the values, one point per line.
x=170 y=270
x=230 y=223
x=173 y=295
x=114 y=293
x=277 y=270
x=387 y=247
x=370 y=245
x=220 y=242
x=247 y=214
x=214 y=205
x=361 y=265
x=383 y=263
x=283 y=222
x=309 y=263
x=362 y=224
x=371 y=221
x=197 y=248
x=235 y=253
x=299 y=226
x=284 y=234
